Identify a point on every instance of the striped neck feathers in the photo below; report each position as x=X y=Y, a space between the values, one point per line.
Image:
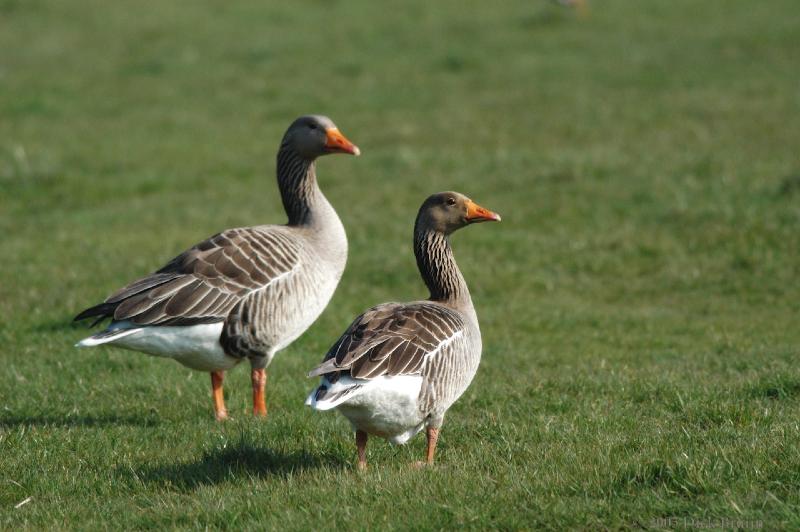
x=297 y=181
x=438 y=268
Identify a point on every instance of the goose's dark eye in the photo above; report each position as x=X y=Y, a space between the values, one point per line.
x=451 y=201
x=312 y=126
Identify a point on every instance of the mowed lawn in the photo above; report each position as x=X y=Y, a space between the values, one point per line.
x=639 y=302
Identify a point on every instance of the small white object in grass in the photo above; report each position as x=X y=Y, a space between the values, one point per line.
x=23 y=503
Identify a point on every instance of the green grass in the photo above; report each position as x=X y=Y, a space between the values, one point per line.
x=639 y=302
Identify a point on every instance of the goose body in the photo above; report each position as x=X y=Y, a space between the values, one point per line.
x=282 y=303
x=410 y=363
x=247 y=292
x=399 y=367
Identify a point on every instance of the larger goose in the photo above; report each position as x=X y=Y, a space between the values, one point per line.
x=400 y=366
x=245 y=292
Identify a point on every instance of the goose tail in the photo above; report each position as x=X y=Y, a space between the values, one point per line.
x=105 y=337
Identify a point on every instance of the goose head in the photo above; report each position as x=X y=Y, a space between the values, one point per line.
x=312 y=136
x=446 y=212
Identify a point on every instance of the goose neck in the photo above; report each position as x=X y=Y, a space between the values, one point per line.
x=297 y=182
x=439 y=270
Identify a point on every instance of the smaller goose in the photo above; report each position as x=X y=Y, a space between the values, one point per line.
x=400 y=366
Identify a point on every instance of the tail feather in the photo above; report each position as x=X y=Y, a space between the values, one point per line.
x=104 y=337
x=106 y=308
x=328 y=366
x=101 y=312
x=328 y=396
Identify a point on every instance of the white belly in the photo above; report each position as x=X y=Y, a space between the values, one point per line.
x=194 y=346
x=386 y=407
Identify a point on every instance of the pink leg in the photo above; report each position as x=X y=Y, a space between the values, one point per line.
x=216 y=394
x=259 y=379
x=361 y=445
x=433 y=437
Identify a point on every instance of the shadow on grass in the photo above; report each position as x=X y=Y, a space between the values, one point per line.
x=234 y=463
x=69 y=420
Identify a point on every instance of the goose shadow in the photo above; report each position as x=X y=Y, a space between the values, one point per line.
x=10 y=421
x=230 y=463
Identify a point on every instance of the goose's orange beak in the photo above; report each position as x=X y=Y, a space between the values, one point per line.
x=476 y=213
x=338 y=143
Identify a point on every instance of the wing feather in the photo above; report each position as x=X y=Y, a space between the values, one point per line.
x=205 y=282
x=391 y=339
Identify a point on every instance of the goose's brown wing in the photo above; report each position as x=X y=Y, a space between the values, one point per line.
x=205 y=282
x=392 y=339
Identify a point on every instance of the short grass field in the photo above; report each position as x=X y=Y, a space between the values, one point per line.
x=639 y=302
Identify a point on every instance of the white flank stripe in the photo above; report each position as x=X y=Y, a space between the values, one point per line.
x=444 y=344
x=91 y=341
x=275 y=279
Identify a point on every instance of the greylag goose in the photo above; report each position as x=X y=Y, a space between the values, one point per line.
x=400 y=366
x=246 y=292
